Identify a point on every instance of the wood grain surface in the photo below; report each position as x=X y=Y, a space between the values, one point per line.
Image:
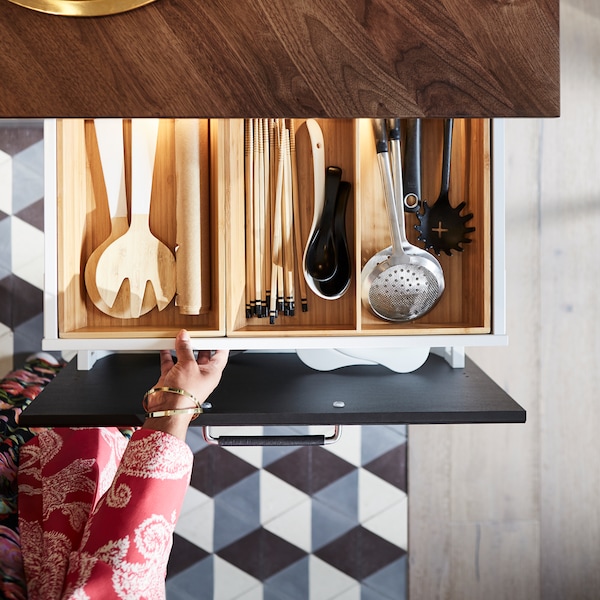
x=285 y=58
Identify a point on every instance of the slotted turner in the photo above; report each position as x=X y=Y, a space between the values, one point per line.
x=138 y=256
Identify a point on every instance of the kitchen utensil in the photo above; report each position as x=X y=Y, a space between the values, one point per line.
x=398 y=179
x=317 y=146
x=189 y=242
x=266 y=215
x=320 y=257
x=109 y=135
x=85 y=8
x=441 y=226
x=296 y=215
x=249 y=214
x=259 y=224
x=412 y=166
x=138 y=256
x=336 y=286
x=276 y=247
x=288 y=228
x=400 y=286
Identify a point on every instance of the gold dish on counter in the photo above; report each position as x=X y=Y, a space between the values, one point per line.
x=81 y=8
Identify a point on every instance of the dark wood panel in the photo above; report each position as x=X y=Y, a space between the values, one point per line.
x=292 y=58
x=279 y=389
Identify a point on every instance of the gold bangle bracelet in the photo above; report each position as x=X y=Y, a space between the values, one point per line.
x=175 y=411
x=172 y=390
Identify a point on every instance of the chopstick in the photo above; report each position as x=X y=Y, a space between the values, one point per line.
x=296 y=217
x=266 y=204
x=258 y=215
x=249 y=183
x=273 y=232
x=288 y=228
x=276 y=250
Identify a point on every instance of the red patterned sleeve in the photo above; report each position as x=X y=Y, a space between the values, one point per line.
x=128 y=538
x=100 y=533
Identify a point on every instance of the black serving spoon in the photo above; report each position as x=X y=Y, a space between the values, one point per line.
x=441 y=226
x=320 y=261
x=336 y=286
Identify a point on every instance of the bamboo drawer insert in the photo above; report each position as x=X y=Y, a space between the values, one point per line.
x=226 y=268
x=465 y=306
x=84 y=223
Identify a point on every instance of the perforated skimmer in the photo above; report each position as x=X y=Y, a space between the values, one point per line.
x=403 y=292
x=402 y=282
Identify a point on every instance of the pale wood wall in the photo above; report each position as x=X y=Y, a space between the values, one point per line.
x=513 y=511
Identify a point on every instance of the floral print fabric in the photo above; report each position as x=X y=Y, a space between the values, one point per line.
x=96 y=513
x=17 y=390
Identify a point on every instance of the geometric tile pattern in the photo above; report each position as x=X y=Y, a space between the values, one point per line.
x=295 y=523
x=272 y=523
x=21 y=241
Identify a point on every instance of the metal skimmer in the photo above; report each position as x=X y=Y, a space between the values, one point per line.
x=403 y=282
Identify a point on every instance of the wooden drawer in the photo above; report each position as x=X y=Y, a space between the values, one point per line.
x=470 y=312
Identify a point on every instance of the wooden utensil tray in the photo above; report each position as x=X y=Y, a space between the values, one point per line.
x=82 y=223
x=465 y=306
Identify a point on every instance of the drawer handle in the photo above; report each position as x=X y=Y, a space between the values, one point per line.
x=272 y=440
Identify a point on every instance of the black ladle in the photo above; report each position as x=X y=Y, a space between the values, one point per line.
x=336 y=286
x=320 y=260
x=441 y=226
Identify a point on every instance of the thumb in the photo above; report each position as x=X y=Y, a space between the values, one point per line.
x=183 y=346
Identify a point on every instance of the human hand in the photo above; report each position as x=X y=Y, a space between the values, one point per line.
x=198 y=376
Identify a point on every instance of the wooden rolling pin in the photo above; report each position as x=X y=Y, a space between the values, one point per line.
x=189 y=230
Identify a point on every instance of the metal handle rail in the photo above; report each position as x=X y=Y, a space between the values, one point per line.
x=272 y=440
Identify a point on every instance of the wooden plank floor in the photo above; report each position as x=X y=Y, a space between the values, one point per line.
x=512 y=511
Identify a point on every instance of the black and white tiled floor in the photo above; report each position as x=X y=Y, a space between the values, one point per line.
x=307 y=523
x=295 y=523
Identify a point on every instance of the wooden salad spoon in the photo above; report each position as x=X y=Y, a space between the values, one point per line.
x=109 y=135
x=138 y=256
